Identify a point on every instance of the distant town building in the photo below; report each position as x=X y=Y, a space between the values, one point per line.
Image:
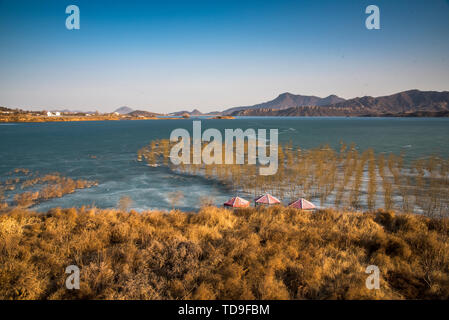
x=49 y=114
x=57 y=113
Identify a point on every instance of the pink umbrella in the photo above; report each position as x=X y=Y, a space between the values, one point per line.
x=237 y=202
x=267 y=199
x=302 y=204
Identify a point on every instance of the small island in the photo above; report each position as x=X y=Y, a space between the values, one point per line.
x=223 y=117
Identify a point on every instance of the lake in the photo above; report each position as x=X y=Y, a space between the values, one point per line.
x=105 y=151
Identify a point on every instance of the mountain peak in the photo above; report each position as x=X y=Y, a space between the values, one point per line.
x=331 y=99
x=124 y=110
x=286 y=94
x=195 y=112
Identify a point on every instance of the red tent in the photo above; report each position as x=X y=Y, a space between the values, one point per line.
x=267 y=199
x=302 y=204
x=237 y=202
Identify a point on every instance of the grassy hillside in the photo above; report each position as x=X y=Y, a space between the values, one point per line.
x=274 y=253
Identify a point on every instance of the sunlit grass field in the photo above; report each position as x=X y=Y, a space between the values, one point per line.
x=264 y=253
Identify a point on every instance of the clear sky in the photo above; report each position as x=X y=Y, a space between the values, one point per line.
x=166 y=56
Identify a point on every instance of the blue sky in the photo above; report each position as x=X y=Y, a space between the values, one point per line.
x=165 y=56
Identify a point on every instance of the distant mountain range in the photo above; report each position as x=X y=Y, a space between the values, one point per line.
x=136 y=113
x=411 y=103
x=194 y=112
x=141 y=113
x=422 y=103
x=288 y=100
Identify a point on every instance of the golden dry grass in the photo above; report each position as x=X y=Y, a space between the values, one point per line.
x=274 y=253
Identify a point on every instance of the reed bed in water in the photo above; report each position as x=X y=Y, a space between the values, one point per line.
x=344 y=179
x=31 y=188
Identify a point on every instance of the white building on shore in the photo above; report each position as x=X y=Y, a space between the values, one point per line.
x=55 y=114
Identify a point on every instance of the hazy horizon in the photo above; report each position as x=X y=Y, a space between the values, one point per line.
x=214 y=55
x=93 y=109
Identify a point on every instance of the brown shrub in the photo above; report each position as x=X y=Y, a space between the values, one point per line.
x=268 y=253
